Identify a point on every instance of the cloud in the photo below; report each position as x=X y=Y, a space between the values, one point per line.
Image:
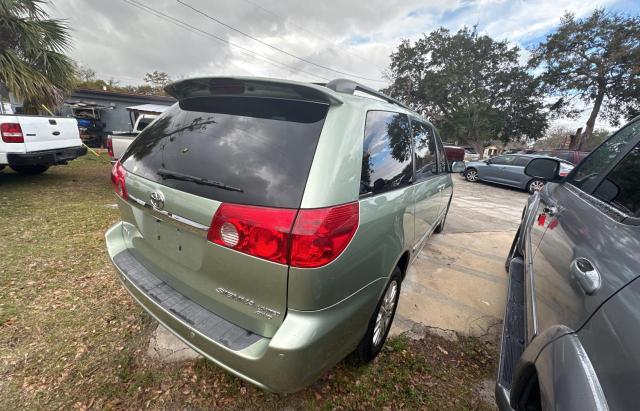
x=123 y=42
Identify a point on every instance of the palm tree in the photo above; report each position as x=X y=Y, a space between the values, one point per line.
x=32 y=63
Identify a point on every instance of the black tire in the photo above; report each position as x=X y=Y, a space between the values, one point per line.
x=368 y=350
x=534 y=185
x=471 y=175
x=37 y=169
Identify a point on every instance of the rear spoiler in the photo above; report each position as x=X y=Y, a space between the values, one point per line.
x=251 y=87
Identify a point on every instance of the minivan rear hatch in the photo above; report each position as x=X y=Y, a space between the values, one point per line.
x=209 y=150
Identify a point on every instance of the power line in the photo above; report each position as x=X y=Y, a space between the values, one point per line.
x=334 y=45
x=212 y=36
x=274 y=47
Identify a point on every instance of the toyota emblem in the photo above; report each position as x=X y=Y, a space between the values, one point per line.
x=157 y=200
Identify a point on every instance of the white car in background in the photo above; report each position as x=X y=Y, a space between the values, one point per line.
x=32 y=144
x=470 y=154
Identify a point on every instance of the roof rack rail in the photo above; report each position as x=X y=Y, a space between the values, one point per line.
x=346 y=86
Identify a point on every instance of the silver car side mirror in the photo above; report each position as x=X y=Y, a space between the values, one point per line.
x=458 y=167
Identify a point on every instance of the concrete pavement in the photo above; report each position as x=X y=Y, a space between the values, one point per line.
x=458 y=282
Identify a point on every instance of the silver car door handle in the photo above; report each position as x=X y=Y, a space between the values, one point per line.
x=550 y=210
x=587 y=275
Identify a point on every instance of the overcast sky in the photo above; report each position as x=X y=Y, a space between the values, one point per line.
x=122 y=41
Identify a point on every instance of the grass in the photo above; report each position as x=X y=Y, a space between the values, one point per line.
x=71 y=337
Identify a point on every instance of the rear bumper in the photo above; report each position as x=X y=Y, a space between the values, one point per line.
x=306 y=344
x=46 y=157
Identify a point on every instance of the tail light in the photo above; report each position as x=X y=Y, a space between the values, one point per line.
x=321 y=235
x=313 y=238
x=110 y=146
x=258 y=231
x=11 y=133
x=118 y=177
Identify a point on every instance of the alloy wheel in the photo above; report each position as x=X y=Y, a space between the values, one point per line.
x=472 y=175
x=536 y=186
x=385 y=313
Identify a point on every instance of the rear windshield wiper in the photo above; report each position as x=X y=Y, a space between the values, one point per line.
x=197 y=180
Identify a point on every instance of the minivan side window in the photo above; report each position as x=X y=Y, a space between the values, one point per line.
x=621 y=187
x=425 y=150
x=386 y=159
x=586 y=175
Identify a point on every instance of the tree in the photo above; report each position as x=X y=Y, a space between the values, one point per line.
x=157 y=80
x=85 y=74
x=595 y=60
x=470 y=86
x=32 y=63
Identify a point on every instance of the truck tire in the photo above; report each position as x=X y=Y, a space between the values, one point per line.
x=31 y=170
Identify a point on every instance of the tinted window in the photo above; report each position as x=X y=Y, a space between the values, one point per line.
x=386 y=160
x=587 y=173
x=521 y=161
x=143 y=124
x=621 y=187
x=262 y=147
x=425 y=150
x=503 y=160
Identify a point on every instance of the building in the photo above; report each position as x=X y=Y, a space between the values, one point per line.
x=110 y=107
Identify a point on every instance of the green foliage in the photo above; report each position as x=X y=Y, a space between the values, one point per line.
x=470 y=86
x=595 y=60
x=157 y=80
x=559 y=137
x=32 y=60
x=85 y=77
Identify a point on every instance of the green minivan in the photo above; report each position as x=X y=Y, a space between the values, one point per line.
x=269 y=224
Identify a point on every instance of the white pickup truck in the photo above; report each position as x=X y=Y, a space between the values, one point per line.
x=31 y=144
x=119 y=141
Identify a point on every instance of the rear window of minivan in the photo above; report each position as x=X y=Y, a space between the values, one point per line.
x=245 y=150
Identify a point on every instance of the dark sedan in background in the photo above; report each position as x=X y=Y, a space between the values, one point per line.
x=509 y=170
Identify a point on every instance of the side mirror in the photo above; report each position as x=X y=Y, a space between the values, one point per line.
x=545 y=168
x=458 y=167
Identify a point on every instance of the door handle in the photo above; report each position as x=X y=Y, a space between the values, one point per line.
x=441 y=187
x=56 y=133
x=550 y=210
x=587 y=275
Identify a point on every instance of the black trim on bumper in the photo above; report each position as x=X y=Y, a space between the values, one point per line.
x=512 y=345
x=46 y=157
x=181 y=308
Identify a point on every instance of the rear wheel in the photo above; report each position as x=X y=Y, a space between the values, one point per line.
x=380 y=322
x=471 y=174
x=535 y=185
x=36 y=169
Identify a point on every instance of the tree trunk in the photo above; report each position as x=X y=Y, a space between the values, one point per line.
x=479 y=147
x=591 y=122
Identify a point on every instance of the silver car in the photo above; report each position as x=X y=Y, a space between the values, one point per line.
x=508 y=170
